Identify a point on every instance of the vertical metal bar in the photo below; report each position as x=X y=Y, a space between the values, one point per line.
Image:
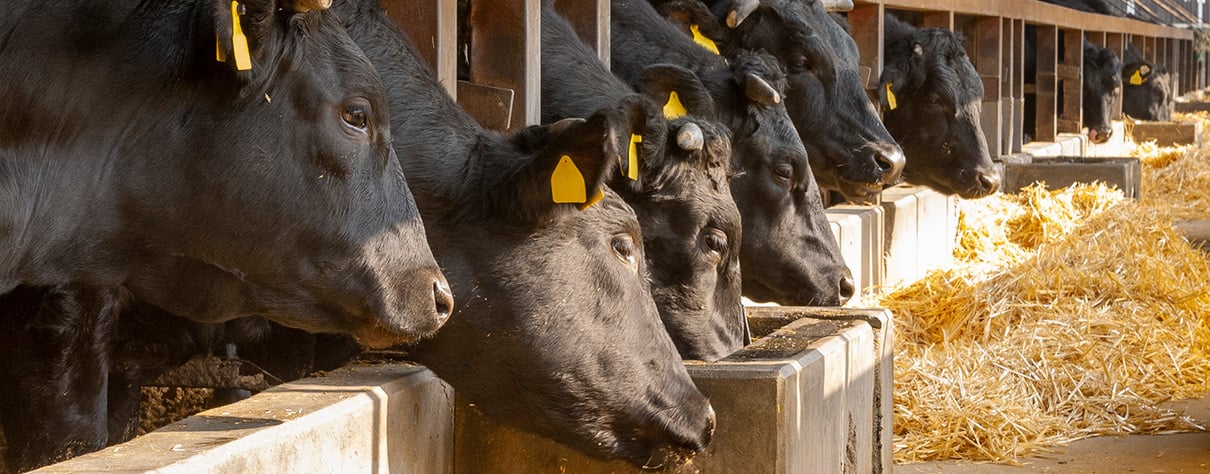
x=433 y=27
x=1047 y=83
x=591 y=20
x=1071 y=116
x=867 y=22
x=506 y=42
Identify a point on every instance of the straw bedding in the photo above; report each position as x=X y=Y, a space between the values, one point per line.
x=1067 y=314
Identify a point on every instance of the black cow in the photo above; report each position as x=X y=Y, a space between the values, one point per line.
x=1146 y=88
x=1100 y=84
x=825 y=93
x=204 y=190
x=1102 y=89
x=691 y=227
x=931 y=98
x=556 y=331
x=193 y=185
x=788 y=253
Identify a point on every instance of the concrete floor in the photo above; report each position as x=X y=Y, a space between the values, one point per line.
x=1178 y=453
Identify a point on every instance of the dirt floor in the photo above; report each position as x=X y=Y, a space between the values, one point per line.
x=1176 y=453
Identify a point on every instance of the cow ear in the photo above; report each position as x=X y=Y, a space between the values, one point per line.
x=697 y=21
x=670 y=85
x=243 y=28
x=891 y=83
x=643 y=134
x=567 y=173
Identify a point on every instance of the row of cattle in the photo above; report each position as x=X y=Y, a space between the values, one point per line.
x=167 y=171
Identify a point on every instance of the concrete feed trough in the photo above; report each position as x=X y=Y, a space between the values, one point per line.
x=812 y=395
x=1124 y=173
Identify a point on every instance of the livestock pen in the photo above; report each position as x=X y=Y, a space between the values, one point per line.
x=813 y=393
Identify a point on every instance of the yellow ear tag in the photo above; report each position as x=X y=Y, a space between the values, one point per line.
x=674 y=109
x=632 y=165
x=218 y=51
x=891 y=101
x=239 y=42
x=1136 y=78
x=595 y=199
x=567 y=184
x=702 y=40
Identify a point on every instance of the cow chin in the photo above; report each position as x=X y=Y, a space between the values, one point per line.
x=378 y=337
x=860 y=193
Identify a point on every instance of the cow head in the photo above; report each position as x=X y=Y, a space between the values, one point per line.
x=556 y=331
x=260 y=184
x=1146 y=89
x=691 y=226
x=1102 y=88
x=931 y=100
x=825 y=92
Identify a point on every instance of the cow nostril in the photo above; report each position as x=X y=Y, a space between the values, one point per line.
x=989 y=183
x=847 y=288
x=890 y=165
x=444 y=300
x=711 y=422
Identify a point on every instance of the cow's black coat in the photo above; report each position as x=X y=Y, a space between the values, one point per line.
x=788 y=254
x=691 y=226
x=937 y=107
x=147 y=168
x=825 y=93
x=1102 y=89
x=1151 y=100
x=556 y=332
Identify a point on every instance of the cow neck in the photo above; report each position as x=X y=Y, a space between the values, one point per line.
x=435 y=140
x=65 y=141
x=575 y=83
x=641 y=37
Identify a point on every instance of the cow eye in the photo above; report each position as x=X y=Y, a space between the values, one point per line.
x=798 y=63
x=356 y=115
x=715 y=242
x=934 y=100
x=625 y=250
x=783 y=173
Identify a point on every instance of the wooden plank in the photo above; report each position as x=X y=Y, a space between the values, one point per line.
x=988 y=61
x=490 y=106
x=1033 y=11
x=433 y=27
x=1018 y=85
x=1047 y=83
x=1117 y=43
x=1071 y=117
x=591 y=21
x=505 y=52
x=1008 y=105
x=867 y=28
x=944 y=20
